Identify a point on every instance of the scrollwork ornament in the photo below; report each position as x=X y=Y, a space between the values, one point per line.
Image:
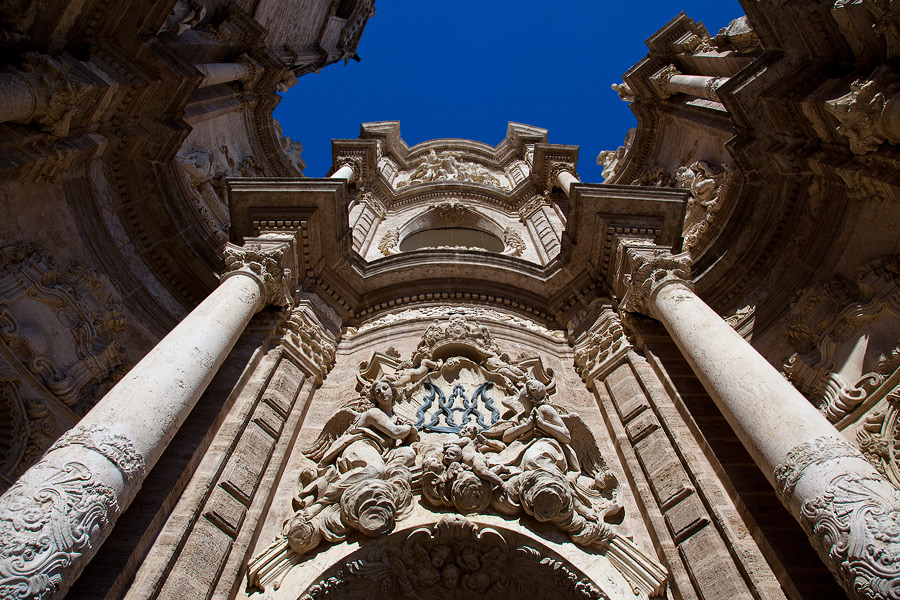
x=807 y=454
x=855 y=527
x=354 y=162
x=515 y=245
x=649 y=271
x=267 y=266
x=49 y=519
x=116 y=448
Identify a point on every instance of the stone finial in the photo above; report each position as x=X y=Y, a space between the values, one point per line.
x=268 y=265
x=643 y=271
x=660 y=80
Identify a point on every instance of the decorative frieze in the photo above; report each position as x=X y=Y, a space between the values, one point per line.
x=450 y=166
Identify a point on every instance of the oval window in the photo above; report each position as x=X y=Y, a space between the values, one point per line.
x=452 y=236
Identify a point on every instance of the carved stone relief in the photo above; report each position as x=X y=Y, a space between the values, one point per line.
x=204 y=172
x=26 y=426
x=55 y=512
x=861 y=110
x=847 y=338
x=514 y=243
x=464 y=427
x=451 y=559
x=450 y=166
x=612 y=160
x=270 y=265
x=707 y=186
x=390 y=242
x=60 y=325
x=853 y=523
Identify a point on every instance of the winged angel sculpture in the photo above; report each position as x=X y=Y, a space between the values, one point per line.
x=535 y=459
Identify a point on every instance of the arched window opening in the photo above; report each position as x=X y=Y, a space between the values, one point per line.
x=452 y=236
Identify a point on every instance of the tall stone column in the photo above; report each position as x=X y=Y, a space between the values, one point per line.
x=56 y=516
x=849 y=511
x=670 y=81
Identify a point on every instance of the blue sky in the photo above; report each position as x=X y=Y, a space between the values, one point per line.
x=463 y=69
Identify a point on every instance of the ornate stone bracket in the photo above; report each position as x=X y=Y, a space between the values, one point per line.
x=271 y=264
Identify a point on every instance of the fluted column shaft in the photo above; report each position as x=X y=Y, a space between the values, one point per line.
x=56 y=516
x=846 y=507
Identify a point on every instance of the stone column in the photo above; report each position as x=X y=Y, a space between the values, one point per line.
x=670 y=81
x=349 y=168
x=44 y=90
x=54 y=518
x=564 y=174
x=846 y=507
x=244 y=69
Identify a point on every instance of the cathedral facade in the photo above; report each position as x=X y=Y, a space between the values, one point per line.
x=453 y=369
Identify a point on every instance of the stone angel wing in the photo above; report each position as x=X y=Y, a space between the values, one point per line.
x=585 y=447
x=596 y=485
x=336 y=426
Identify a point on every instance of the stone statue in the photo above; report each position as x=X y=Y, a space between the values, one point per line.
x=363 y=481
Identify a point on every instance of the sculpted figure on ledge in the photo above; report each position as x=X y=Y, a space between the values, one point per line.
x=472 y=431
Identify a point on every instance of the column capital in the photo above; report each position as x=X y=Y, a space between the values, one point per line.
x=660 y=80
x=354 y=162
x=555 y=168
x=272 y=263
x=642 y=271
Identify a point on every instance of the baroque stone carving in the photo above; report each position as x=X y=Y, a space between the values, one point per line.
x=267 y=266
x=54 y=513
x=853 y=523
x=515 y=245
x=660 y=80
x=307 y=337
x=185 y=15
x=624 y=91
x=645 y=271
x=431 y=426
x=390 y=243
x=738 y=35
x=204 y=173
x=57 y=91
x=846 y=337
x=25 y=427
x=292 y=149
x=456 y=559
x=612 y=160
x=61 y=324
x=707 y=187
x=600 y=345
x=449 y=166
x=861 y=110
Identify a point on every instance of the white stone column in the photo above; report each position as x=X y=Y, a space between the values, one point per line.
x=349 y=168
x=670 y=81
x=849 y=511
x=56 y=516
x=563 y=174
x=243 y=69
